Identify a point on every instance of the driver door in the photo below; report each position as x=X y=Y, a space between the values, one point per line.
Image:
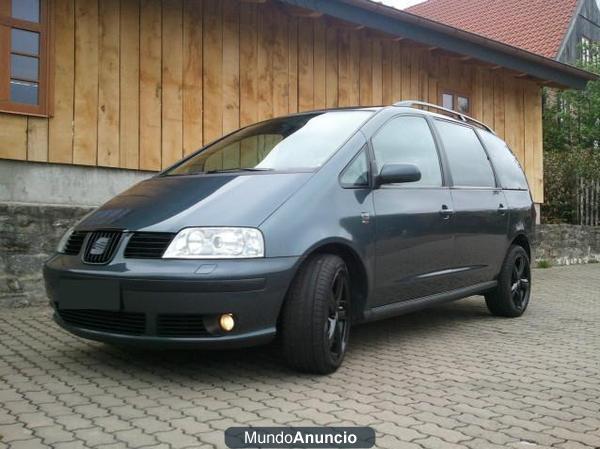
x=414 y=225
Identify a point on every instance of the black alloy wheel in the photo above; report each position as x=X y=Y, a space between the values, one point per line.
x=520 y=282
x=337 y=327
x=315 y=320
x=511 y=296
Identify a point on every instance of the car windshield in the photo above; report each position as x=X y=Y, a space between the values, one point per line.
x=302 y=142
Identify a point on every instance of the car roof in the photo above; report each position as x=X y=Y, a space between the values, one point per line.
x=430 y=113
x=419 y=107
x=412 y=106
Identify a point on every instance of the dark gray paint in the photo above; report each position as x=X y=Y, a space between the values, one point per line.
x=415 y=243
x=416 y=246
x=480 y=226
x=166 y=203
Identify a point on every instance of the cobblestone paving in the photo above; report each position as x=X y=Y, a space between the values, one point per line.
x=450 y=377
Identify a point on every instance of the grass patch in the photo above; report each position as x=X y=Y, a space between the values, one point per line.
x=544 y=263
x=593 y=261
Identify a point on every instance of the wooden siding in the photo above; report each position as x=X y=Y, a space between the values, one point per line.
x=140 y=83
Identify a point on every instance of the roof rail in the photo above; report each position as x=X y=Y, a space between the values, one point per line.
x=461 y=116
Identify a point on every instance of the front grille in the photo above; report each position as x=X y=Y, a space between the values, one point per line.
x=181 y=326
x=148 y=245
x=106 y=321
x=75 y=243
x=101 y=246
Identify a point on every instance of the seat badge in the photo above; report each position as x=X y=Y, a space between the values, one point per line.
x=99 y=246
x=365 y=217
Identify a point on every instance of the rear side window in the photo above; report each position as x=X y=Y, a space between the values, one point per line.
x=408 y=140
x=467 y=159
x=509 y=171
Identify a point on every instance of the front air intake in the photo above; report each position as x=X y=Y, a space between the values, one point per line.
x=128 y=323
x=75 y=243
x=181 y=325
x=148 y=245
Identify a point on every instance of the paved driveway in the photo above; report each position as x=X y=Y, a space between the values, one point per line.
x=450 y=377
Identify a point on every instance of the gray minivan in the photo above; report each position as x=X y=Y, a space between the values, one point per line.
x=298 y=227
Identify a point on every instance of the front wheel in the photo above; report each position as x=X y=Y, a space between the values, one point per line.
x=315 y=322
x=511 y=297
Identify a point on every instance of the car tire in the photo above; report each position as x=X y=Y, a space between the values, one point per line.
x=315 y=321
x=511 y=296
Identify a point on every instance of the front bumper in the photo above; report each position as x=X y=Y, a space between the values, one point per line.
x=169 y=303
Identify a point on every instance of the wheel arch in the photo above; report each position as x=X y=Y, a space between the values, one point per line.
x=357 y=268
x=523 y=241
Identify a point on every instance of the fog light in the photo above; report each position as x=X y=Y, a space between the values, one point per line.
x=226 y=322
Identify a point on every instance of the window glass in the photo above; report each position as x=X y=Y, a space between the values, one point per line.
x=462 y=104
x=26 y=10
x=507 y=166
x=448 y=101
x=357 y=173
x=585 y=49
x=467 y=159
x=408 y=140
x=23 y=92
x=26 y=42
x=288 y=143
x=24 y=67
x=23 y=89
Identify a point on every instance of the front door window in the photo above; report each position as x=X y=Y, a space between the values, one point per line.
x=408 y=140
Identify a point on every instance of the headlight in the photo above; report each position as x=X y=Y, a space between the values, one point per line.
x=216 y=243
x=62 y=243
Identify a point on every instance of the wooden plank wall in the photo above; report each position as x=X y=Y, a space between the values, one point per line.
x=140 y=83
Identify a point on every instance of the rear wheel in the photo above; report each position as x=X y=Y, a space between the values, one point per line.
x=511 y=297
x=315 y=323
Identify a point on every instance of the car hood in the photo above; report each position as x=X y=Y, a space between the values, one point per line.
x=170 y=203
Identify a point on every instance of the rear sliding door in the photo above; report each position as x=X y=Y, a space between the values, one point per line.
x=480 y=208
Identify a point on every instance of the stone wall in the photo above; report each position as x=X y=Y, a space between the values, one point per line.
x=29 y=235
x=563 y=244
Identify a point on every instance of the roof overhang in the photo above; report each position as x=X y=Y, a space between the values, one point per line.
x=403 y=24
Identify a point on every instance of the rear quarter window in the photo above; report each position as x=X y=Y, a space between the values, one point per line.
x=508 y=170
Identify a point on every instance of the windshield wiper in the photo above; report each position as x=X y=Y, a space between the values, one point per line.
x=229 y=170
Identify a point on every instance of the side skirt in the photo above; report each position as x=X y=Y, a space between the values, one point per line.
x=412 y=305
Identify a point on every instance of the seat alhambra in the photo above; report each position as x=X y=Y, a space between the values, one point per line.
x=299 y=227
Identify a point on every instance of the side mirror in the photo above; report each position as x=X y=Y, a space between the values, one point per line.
x=398 y=173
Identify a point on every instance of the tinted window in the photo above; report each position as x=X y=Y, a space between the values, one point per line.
x=507 y=166
x=468 y=161
x=408 y=140
x=296 y=142
x=356 y=173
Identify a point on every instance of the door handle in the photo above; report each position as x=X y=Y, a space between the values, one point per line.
x=446 y=212
x=502 y=209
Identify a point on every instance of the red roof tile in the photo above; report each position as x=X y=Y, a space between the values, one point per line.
x=538 y=26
